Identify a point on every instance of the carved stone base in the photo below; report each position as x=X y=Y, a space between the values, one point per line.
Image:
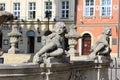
x=103 y=59
x=13 y=50
x=57 y=71
x=79 y=70
x=49 y=62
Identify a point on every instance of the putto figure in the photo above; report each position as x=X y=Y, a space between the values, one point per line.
x=53 y=44
x=101 y=47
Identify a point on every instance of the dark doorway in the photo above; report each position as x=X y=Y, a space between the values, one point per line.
x=31 y=41
x=0 y=40
x=31 y=44
x=86 y=44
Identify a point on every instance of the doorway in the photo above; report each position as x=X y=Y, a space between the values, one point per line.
x=1 y=40
x=30 y=44
x=31 y=41
x=86 y=44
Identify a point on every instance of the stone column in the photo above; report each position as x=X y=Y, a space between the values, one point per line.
x=14 y=35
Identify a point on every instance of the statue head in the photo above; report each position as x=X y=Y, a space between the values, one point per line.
x=59 y=28
x=107 y=31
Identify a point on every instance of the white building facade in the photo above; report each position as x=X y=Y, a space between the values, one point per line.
x=33 y=21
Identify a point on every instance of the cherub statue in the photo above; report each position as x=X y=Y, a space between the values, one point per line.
x=53 y=44
x=101 y=47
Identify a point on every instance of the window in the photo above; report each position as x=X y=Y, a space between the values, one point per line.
x=48 y=9
x=39 y=39
x=16 y=11
x=32 y=10
x=105 y=7
x=65 y=9
x=89 y=7
x=3 y=5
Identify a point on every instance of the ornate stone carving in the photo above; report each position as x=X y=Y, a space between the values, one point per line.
x=14 y=35
x=72 y=40
x=53 y=45
x=101 y=47
x=4 y=17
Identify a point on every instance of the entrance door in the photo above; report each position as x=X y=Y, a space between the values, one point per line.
x=31 y=44
x=0 y=40
x=31 y=39
x=86 y=44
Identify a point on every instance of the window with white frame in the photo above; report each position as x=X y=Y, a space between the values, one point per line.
x=16 y=11
x=65 y=9
x=3 y=6
x=32 y=10
x=48 y=9
x=89 y=7
x=106 y=7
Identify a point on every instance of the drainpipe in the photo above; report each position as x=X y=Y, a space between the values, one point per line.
x=75 y=11
x=119 y=30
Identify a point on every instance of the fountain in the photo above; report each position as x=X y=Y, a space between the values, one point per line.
x=53 y=62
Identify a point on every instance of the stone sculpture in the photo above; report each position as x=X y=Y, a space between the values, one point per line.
x=101 y=47
x=4 y=17
x=14 y=36
x=53 y=44
x=73 y=37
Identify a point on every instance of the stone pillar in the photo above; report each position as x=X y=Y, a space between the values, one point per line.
x=14 y=35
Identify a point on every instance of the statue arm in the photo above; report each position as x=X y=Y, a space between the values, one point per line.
x=57 y=52
x=46 y=48
x=98 y=48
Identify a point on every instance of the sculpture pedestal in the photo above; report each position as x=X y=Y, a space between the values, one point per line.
x=78 y=70
x=13 y=50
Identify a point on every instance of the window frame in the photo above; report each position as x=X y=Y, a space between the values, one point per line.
x=93 y=6
x=16 y=9
x=48 y=9
x=106 y=11
x=65 y=9
x=4 y=6
x=31 y=10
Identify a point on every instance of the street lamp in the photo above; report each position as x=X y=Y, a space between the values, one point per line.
x=48 y=12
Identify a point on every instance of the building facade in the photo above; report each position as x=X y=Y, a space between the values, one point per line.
x=92 y=17
x=35 y=18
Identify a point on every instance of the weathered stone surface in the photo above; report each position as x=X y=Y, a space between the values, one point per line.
x=5 y=16
x=79 y=70
x=14 y=35
x=53 y=45
x=18 y=58
x=101 y=47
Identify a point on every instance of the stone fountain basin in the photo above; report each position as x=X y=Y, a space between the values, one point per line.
x=24 y=71
x=33 y=71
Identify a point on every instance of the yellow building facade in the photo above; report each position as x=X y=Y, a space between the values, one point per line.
x=33 y=21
